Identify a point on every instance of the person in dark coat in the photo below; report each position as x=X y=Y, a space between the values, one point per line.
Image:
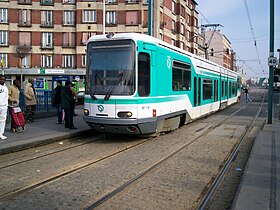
x=68 y=102
x=57 y=101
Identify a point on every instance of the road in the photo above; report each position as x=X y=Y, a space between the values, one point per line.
x=171 y=171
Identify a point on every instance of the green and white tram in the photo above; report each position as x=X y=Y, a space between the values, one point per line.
x=137 y=84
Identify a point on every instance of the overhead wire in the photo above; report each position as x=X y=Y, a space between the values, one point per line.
x=253 y=34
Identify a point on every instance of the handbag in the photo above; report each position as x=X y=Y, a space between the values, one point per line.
x=17 y=109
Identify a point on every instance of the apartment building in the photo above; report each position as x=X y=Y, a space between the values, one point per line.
x=47 y=38
x=219 y=49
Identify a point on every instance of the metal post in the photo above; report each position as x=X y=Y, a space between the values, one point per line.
x=104 y=13
x=150 y=17
x=21 y=77
x=271 y=54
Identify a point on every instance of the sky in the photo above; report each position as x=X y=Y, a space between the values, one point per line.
x=246 y=24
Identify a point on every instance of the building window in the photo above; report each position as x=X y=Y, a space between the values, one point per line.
x=173 y=7
x=132 y=18
x=68 y=18
x=89 y=16
x=111 y=1
x=3 y=37
x=182 y=45
x=68 y=61
x=181 y=76
x=189 y=20
x=25 y=62
x=207 y=89
x=69 y=1
x=5 y=57
x=173 y=27
x=86 y=36
x=24 y=1
x=47 y=61
x=182 y=11
x=47 y=18
x=182 y=29
x=84 y=60
x=3 y=15
x=47 y=2
x=146 y=1
x=111 y=17
x=173 y=42
x=131 y=1
x=47 y=40
x=68 y=39
x=24 y=17
x=25 y=39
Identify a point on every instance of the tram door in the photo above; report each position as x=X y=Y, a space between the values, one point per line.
x=197 y=89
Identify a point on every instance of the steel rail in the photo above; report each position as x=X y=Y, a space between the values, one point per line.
x=98 y=138
x=152 y=167
x=209 y=194
x=41 y=183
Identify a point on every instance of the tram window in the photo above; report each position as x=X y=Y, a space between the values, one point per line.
x=223 y=88
x=181 y=76
x=144 y=75
x=215 y=90
x=207 y=89
x=233 y=89
x=195 y=92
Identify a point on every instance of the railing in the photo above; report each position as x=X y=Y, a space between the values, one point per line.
x=44 y=100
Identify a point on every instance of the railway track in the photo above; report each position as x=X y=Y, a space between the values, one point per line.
x=210 y=192
x=201 y=132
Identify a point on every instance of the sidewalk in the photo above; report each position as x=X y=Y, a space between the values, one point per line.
x=260 y=184
x=41 y=131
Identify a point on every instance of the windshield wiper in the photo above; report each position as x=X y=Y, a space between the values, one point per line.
x=112 y=88
x=89 y=91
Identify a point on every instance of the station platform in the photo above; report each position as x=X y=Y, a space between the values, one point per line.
x=260 y=184
x=43 y=130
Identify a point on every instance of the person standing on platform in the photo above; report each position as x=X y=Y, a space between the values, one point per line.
x=13 y=101
x=3 y=105
x=57 y=101
x=30 y=100
x=68 y=102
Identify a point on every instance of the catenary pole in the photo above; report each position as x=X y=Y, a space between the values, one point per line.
x=104 y=13
x=150 y=17
x=271 y=54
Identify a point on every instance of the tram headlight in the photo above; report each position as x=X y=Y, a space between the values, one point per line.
x=124 y=114
x=86 y=112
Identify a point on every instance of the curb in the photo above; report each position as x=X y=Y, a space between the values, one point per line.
x=34 y=142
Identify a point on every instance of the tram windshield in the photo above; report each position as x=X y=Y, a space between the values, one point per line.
x=111 y=67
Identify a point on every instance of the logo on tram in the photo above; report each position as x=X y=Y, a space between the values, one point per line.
x=100 y=108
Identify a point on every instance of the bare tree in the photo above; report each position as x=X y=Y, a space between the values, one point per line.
x=22 y=51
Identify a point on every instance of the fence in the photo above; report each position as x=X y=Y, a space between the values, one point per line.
x=44 y=100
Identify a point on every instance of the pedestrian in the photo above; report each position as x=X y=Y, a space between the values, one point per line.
x=57 y=101
x=13 y=101
x=3 y=105
x=74 y=95
x=246 y=91
x=30 y=100
x=67 y=102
